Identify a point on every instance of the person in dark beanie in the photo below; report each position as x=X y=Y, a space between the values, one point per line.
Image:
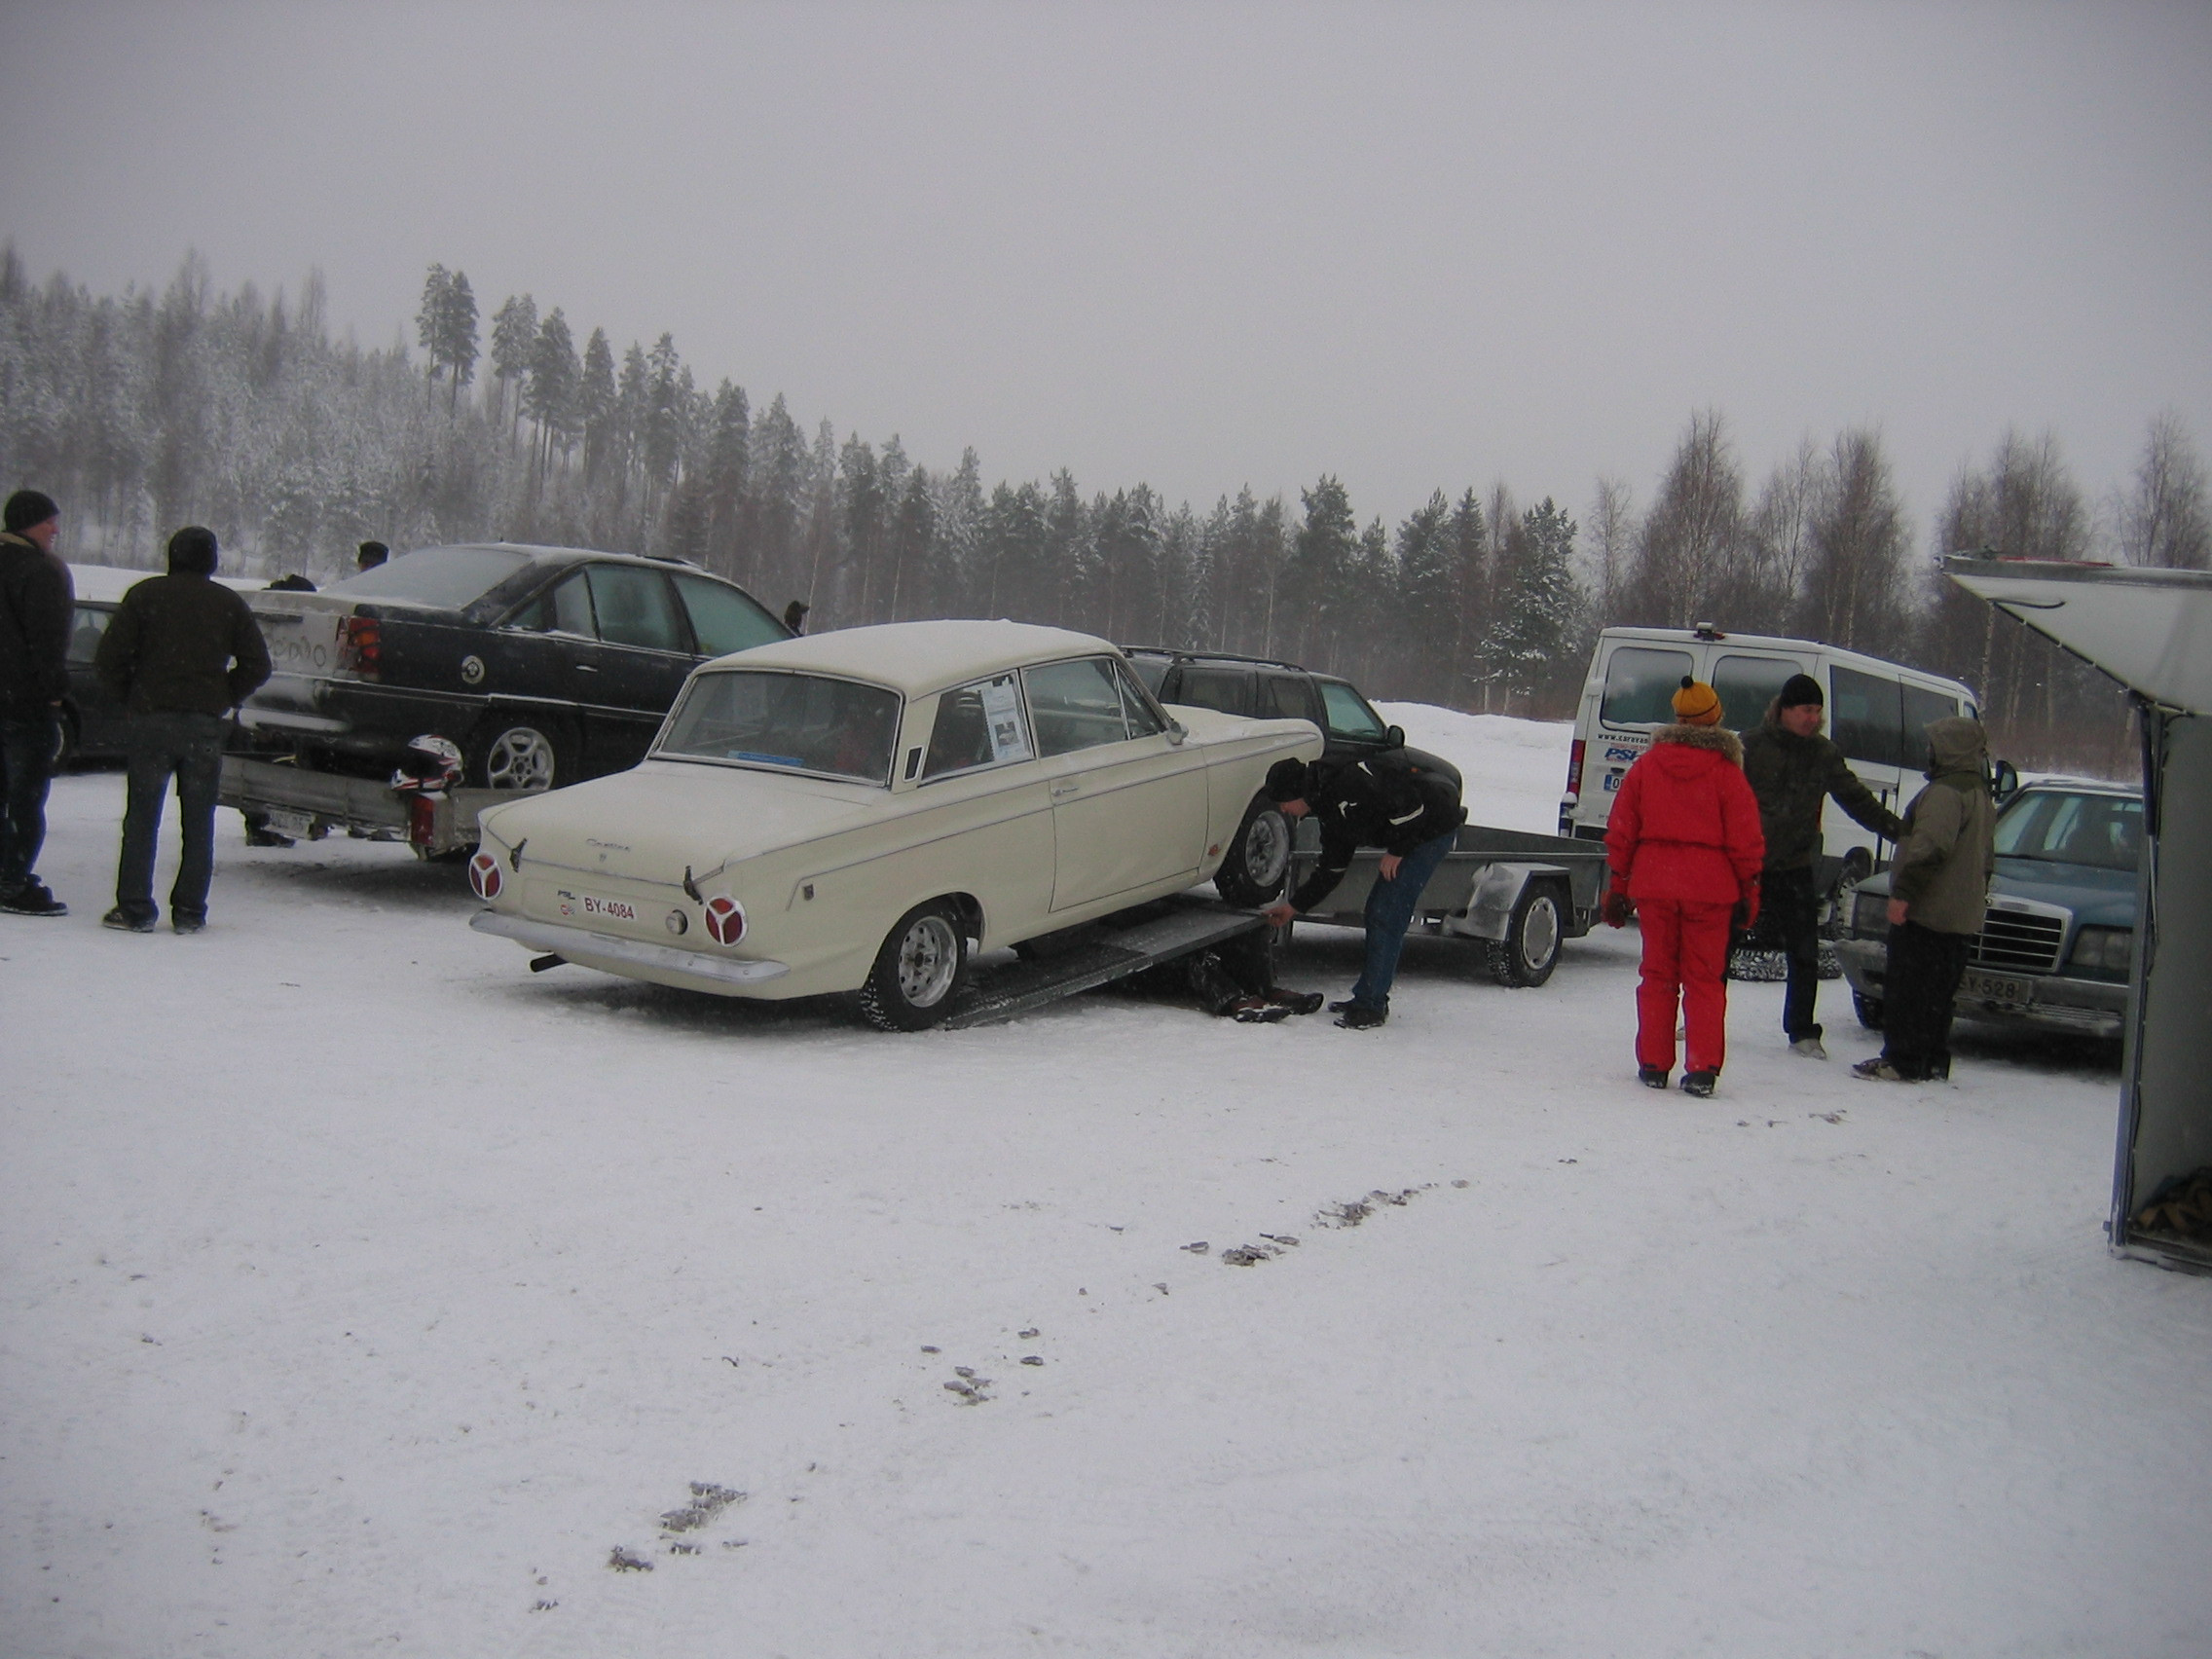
x=1938 y=896
x=1794 y=770
x=370 y=555
x=1413 y=814
x=182 y=652
x=37 y=600
x=1684 y=847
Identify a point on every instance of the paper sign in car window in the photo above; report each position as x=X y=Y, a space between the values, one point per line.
x=1002 y=709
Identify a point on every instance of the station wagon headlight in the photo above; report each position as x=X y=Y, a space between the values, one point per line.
x=2104 y=950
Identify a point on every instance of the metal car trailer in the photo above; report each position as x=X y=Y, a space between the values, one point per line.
x=2152 y=631
x=308 y=805
x=1516 y=891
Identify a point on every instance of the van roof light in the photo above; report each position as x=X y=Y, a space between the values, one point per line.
x=1707 y=631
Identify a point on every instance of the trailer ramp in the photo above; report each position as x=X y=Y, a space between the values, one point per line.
x=1120 y=946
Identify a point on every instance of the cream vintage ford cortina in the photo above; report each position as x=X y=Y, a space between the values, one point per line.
x=846 y=812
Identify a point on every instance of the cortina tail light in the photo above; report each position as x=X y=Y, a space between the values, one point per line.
x=725 y=919
x=484 y=875
x=360 y=647
x=1574 y=768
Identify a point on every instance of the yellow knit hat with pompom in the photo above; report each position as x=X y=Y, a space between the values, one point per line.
x=1697 y=703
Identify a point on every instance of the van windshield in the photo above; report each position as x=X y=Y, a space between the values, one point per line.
x=1641 y=686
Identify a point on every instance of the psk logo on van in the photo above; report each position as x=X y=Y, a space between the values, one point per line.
x=565 y=901
x=1625 y=756
x=725 y=919
x=484 y=875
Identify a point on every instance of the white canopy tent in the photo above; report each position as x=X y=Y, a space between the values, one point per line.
x=2152 y=631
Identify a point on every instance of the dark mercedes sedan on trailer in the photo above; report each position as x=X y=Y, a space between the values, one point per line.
x=526 y=668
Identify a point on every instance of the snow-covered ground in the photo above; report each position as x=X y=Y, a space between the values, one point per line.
x=367 y=1294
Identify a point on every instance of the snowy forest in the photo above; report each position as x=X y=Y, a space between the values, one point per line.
x=146 y=411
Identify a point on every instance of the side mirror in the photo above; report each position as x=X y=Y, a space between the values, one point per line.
x=1394 y=736
x=2004 y=781
x=1177 y=732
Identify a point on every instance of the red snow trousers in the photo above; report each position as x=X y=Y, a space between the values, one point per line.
x=1685 y=953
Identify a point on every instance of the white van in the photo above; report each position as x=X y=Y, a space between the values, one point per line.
x=1876 y=713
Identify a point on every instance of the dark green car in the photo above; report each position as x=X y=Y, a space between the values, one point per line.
x=2058 y=938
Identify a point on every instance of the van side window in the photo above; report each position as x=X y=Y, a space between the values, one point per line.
x=1922 y=707
x=1866 y=718
x=1641 y=686
x=1748 y=685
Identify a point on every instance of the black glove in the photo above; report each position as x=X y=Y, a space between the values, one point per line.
x=1616 y=909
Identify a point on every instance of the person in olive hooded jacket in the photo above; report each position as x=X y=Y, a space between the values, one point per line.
x=1684 y=845
x=1938 y=896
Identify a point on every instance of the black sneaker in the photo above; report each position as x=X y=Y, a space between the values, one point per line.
x=1344 y=1007
x=123 y=921
x=1700 y=1084
x=187 y=924
x=1358 y=1016
x=1297 y=1002
x=33 y=900
x=1651 y=1077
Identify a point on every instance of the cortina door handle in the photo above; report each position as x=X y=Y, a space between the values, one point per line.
x=1067 y=788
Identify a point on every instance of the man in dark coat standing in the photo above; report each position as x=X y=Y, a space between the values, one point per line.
x=182 y=652
x=36 y=603
x=1793 y=769
x=1414 y=814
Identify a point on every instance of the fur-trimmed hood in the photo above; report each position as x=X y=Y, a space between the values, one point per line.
x=1719 y=739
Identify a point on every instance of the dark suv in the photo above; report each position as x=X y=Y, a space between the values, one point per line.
x=1263 y=688
x=545 y=665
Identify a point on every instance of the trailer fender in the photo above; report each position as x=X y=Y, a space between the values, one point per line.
x=1496 y=891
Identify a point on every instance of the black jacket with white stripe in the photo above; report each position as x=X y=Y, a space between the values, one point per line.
x=1386 y=801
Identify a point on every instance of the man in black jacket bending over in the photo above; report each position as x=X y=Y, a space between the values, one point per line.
x=1414 y=816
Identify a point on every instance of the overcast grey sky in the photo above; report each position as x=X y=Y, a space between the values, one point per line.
x=1204 y=245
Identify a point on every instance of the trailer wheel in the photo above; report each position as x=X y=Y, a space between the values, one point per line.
x=917 y=971
x=1868 y=1008
x=1529 y=950
x=1259 y=858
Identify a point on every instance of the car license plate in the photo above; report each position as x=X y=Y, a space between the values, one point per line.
x=1998 y=988
x=591 y=907
x=297 y=824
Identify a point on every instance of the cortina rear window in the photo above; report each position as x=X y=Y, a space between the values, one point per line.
x=807 y=722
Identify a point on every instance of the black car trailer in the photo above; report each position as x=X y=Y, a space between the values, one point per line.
x=1517 y=892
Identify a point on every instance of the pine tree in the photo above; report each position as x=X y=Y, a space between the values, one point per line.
x=1427 y=617
x=1539 y=605
x=514 y=330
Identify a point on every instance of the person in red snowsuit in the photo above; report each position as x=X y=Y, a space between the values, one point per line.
x=1685 y=849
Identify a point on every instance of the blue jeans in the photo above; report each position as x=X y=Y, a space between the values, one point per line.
x=27 y=743
x=189 y=747
x=1390 y=907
